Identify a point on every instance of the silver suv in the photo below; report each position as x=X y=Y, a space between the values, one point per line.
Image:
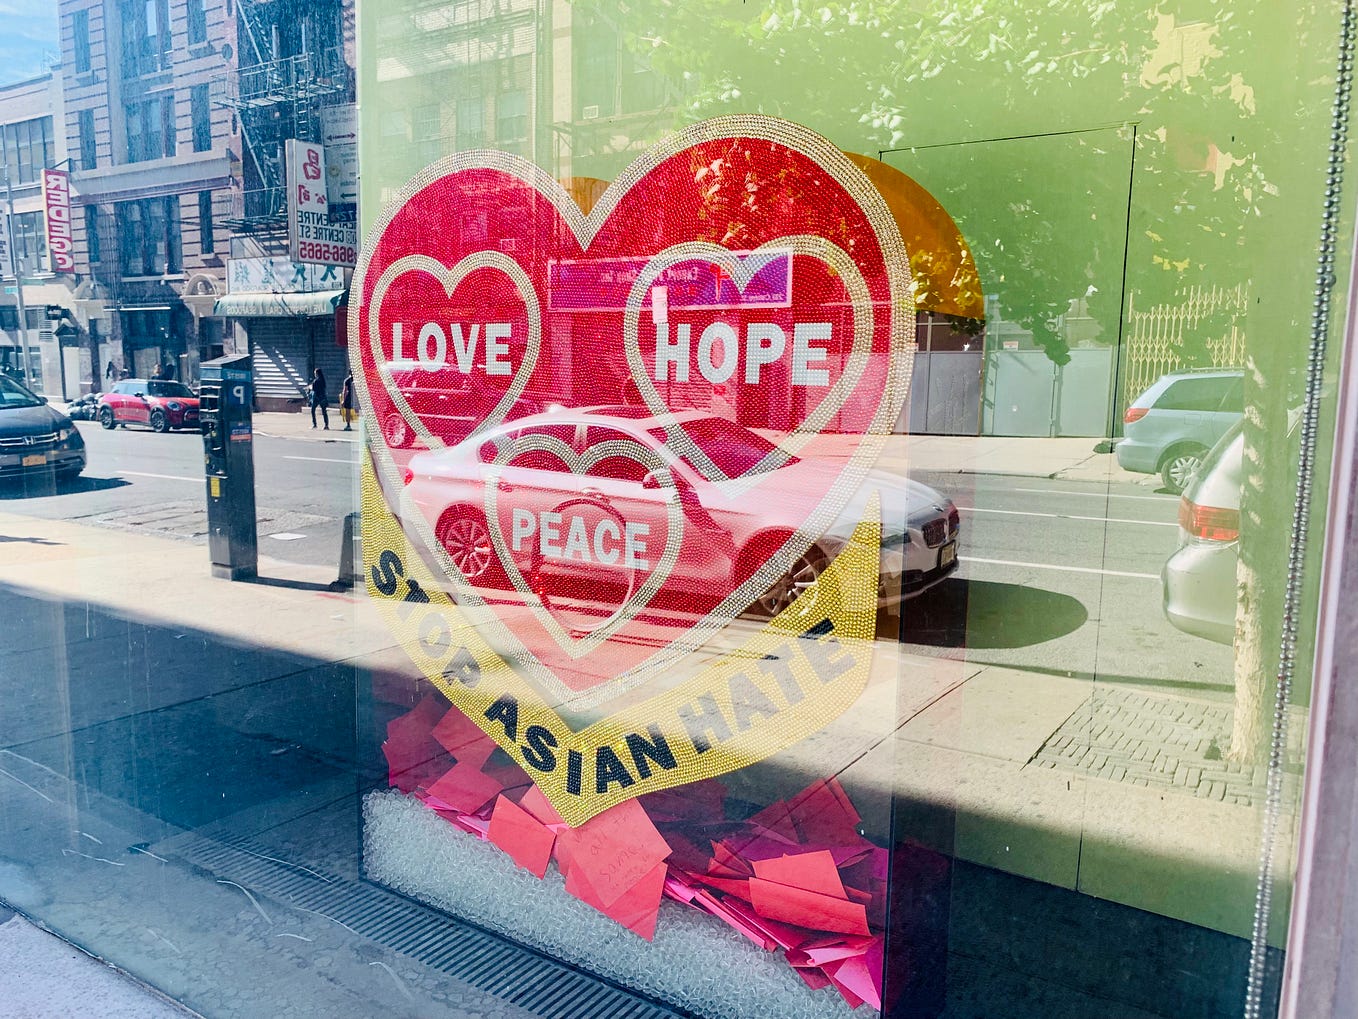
x=1170 y=427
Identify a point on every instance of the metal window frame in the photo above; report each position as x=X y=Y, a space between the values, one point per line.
x=1319 y=977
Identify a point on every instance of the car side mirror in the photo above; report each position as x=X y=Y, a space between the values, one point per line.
x=43 y=399
x=677 y=482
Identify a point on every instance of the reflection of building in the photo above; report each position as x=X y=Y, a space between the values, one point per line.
x=30 y=115
x=293 y=80
x=177 y=118
x=154 y=169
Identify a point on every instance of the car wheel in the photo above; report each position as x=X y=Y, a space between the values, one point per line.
x=107 y=419
x=794 y=583
x=1180 y=465
x=398 y=434
x=159 y=422
x=465 y=537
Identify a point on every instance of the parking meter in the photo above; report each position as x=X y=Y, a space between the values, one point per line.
x=224 y=410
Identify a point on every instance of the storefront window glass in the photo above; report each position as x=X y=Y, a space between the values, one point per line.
x=787 y=511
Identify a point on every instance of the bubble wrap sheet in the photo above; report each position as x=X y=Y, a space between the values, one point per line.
x=696 y=962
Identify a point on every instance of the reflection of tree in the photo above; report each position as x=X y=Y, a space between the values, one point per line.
x=1229 y=103
x=877 y=75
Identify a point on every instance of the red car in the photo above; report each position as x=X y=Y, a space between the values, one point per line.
x=161 y=405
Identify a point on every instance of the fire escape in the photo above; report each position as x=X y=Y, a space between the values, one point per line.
x=276 y=96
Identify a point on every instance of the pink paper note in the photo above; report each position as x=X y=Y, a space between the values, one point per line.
x=637 y=908
x=719 y=909
x=527 y=841
x=614 y=850
x=815 y=872
x=858 y=977
x=809 y=909
x=823 y=814
x=463 y=738
x=776 y=818
x=414 y=758
x=465 y=788
x=786 y=936
x=536 y=804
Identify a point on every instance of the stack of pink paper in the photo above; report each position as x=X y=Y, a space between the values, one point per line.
x=795 y=877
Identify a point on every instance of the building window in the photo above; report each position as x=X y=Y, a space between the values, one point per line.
x=87 y=149
x=200 y=112
x=92 y=233
x=427 y=128
x=511 y=121
x=80 y=33
x=206 y=242
x=29 y=237
x=148 y=236
x=150 y=128
x=28 y=148
x=470 y=126
x=146 y=36
x=197 y=22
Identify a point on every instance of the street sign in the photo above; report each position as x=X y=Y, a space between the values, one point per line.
x=56 y=197
x=312 y=235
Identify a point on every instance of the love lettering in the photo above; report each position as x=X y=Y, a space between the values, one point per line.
x=431 y=347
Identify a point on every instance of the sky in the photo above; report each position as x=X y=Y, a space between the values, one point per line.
x=28 y=38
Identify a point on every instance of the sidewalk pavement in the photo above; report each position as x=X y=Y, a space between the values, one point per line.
x=59 y=981
x=991 y=743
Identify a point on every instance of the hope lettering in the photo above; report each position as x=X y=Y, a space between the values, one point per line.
x=431 y=346
x=765 y=343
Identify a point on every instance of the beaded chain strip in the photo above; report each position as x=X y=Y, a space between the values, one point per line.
x=1320 y=325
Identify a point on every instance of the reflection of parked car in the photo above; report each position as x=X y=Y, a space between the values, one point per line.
x=448 y=487
x=450 y=412
x=35 y=438
x=1171 y=425
x=159 y=404
x=1199 y=579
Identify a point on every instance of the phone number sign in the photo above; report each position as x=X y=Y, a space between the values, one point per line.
x=312 y=236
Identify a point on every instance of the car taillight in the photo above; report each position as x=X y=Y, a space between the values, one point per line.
x=1213 y=523
x=1134 y=414
x=409 y=476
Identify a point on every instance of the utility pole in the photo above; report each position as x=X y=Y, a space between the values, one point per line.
x=17 y=272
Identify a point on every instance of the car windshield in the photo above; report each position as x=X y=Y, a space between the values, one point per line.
x=735 y=450
x=12 y=394
x=169 y=389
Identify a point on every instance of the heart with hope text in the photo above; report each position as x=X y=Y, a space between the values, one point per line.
x=614 y=431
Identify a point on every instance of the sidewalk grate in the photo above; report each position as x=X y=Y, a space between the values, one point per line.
x=483 y=960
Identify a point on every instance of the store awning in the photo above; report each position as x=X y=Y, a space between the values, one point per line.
x=319 y=303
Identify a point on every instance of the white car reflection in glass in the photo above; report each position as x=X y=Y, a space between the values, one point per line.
x=1200 y=577
x=920 y=525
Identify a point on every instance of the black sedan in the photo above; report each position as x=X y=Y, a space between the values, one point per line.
x=34 y=437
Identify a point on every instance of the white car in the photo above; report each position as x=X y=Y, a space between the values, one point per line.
x=591 y=493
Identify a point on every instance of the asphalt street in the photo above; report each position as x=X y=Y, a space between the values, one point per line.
x=140 y=480
x=1058 y=576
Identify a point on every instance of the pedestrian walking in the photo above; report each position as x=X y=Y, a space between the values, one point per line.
x=347 y=401
x=155 y=373
x=320 y=396
x=111 y=370
x=168 y=370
